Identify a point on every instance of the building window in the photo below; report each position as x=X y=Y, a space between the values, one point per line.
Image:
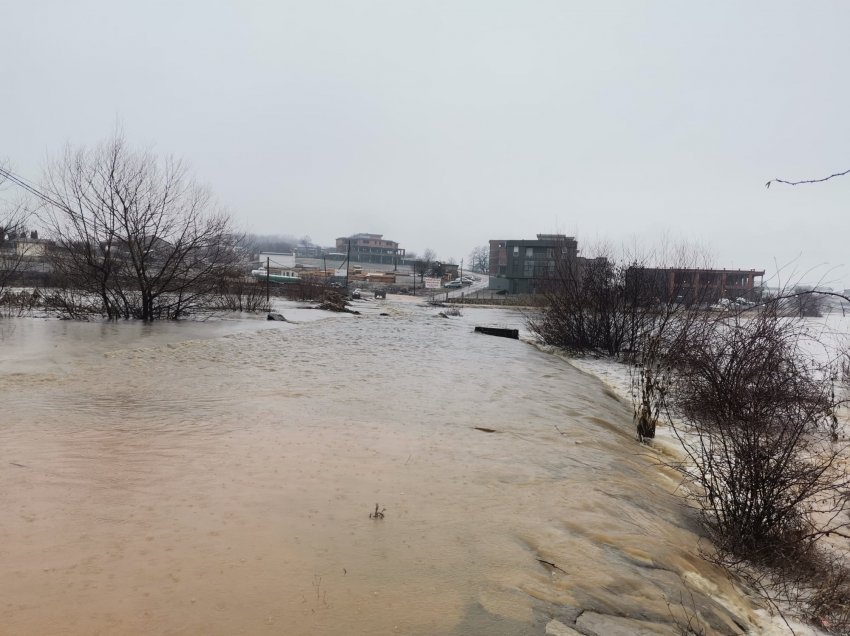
x=529 y=252
x=516 y=250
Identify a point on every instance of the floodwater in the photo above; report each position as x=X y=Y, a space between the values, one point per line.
x=218 y=479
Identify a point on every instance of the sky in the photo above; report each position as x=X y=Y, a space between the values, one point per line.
x=443 y=124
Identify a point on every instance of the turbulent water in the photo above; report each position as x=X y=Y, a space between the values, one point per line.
x=219 y=478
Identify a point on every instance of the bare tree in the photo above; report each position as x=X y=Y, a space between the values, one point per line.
x=423 y=265
x=803 y=304
x=136 y=232
x=479 y=259
x=429 y=256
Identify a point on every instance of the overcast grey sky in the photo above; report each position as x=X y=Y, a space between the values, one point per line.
x=445 y=124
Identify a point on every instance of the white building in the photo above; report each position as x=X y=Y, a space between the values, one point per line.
x=277 y=260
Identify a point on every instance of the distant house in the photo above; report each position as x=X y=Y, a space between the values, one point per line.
x=446 y=271
x=31 y=247
x=277 y=260
x=370 y=248
x=525 y=266
x=308 y=251
x=520 y=266
x=23 y=257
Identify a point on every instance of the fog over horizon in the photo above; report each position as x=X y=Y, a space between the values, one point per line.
x=445 y=124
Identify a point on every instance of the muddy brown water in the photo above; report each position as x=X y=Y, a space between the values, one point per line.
x=218 y=479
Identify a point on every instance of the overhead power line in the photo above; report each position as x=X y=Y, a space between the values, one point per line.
x=28 y=186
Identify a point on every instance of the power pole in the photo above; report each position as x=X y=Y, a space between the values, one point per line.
x=347 y=263
x=267 y=279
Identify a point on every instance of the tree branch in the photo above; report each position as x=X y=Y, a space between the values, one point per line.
x=793 y=183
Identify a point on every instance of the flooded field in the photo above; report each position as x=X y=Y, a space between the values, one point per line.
x=218 y=479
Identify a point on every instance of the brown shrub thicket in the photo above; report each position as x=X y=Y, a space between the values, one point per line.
x=755 y=411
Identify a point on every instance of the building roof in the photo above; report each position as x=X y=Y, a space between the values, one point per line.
x=363 y=235
x=755 y=272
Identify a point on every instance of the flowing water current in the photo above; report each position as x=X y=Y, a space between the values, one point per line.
x=218 y=478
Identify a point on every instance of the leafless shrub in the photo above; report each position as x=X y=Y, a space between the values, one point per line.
x=307 y=289
x=813 y=585
x=616 y=302
x=241 y=294
x=755 y=413
x=649 y=389
x=21 y=303
x=622 y=306
x=334 y=301
x=585 y=306
x=71 y=304
x=760 y=412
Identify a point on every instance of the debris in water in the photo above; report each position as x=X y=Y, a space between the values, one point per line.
x=498 y=331
x=552 y=565
x=378 y=514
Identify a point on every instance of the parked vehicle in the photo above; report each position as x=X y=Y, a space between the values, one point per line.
x=356 y=294
x=453 y=284
x=283 y=276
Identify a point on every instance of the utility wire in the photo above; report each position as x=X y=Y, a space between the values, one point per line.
x=29 y=187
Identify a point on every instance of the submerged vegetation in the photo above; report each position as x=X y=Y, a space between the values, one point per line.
x=128 y=235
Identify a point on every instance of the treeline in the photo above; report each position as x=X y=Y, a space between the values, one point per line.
x=752 y=392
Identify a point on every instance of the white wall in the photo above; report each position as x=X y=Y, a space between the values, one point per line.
x=276 y=259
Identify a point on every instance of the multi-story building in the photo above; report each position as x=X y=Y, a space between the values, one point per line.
x=524 y=267
x=520 y=266
x=695 y=285
x=370 y=248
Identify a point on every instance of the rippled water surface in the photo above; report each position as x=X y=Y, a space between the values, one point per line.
x=218 y=479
